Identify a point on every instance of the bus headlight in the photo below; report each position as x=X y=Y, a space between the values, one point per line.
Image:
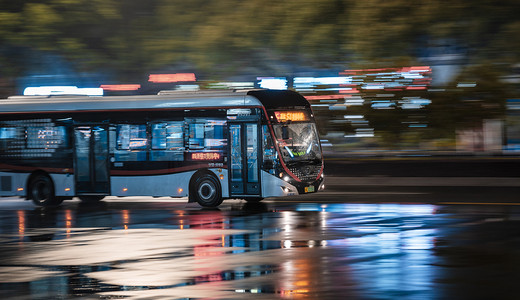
x=286 y=189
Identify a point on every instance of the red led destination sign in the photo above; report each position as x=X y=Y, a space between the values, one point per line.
x=291 y=115
x=214 y=156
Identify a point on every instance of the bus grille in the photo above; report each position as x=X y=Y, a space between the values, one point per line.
x=307 y=173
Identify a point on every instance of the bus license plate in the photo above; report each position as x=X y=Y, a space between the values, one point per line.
x=309 y=189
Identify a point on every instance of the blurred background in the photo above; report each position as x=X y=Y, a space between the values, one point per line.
x=383 y=76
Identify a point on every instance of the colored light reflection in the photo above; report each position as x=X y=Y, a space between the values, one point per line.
x=126 y=218
x=21 y=223
x=298 y=284
x=68 y=222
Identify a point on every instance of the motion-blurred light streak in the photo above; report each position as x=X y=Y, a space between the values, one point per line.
x=120 y=87
x=170 y=78
x=61 y=90
x=273 y=83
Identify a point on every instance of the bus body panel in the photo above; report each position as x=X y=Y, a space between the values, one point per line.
x=275 y=187
x=63 y=184
x=77 y=104
x=222 y=175
x=168 y=185
x=154 y=167
x=13 y=184
x=171 y=185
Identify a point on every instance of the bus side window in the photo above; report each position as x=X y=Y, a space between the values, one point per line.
x=214 y=135
x=11 y=138
x=132 y=142
x=46 y=137
x=167 y=141
x=206 y=135
x=112 y=139
x=196 y=137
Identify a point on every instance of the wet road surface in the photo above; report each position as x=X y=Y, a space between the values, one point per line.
x=322 y=246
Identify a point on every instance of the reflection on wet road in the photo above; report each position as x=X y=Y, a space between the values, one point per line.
x=164 y=250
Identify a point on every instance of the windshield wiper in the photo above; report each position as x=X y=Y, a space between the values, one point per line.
x=295 y=163
x=312 y=160
x=292 y=163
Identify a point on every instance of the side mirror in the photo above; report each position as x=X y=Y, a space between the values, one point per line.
x=285 y=132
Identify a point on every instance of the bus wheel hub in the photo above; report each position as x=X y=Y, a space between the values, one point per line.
x=206 y=191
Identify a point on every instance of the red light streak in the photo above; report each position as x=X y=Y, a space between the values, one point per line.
x=322 y=97
x=417 y=69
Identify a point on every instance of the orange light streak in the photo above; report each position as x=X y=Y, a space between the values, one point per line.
x=120 y=87
x=126 y=218
x=68 y=222
x=283 y=116
x=21 y=223
x=168 y=78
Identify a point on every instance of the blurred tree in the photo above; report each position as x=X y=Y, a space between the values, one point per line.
x=392 y=28
x=477 y=94
x=481 y=95
x=170 y=33
x=97 y=34
x=10 y=26
x=387 y=123
x=133 y=37
x=381 y=28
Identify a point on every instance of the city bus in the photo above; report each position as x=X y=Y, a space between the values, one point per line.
x=207 y=146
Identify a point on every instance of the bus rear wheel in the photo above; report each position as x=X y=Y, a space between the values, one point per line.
x=206 y=191
x=41 y=190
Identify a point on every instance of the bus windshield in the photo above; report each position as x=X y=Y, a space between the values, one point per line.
x=298 y=142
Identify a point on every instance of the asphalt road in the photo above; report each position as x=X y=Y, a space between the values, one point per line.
x=167 y=249
x=432 y=180
x=384 y=233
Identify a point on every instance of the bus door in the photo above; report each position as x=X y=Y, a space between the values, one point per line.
x=91 y=159
x=244 y=156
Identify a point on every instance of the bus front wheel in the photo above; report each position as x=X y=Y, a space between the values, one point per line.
x=206 y=191
x=42 y=193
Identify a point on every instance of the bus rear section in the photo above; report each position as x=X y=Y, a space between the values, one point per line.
x=207 y=147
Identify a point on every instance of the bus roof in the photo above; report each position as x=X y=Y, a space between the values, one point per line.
x=176 y=100
x=168 y=101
